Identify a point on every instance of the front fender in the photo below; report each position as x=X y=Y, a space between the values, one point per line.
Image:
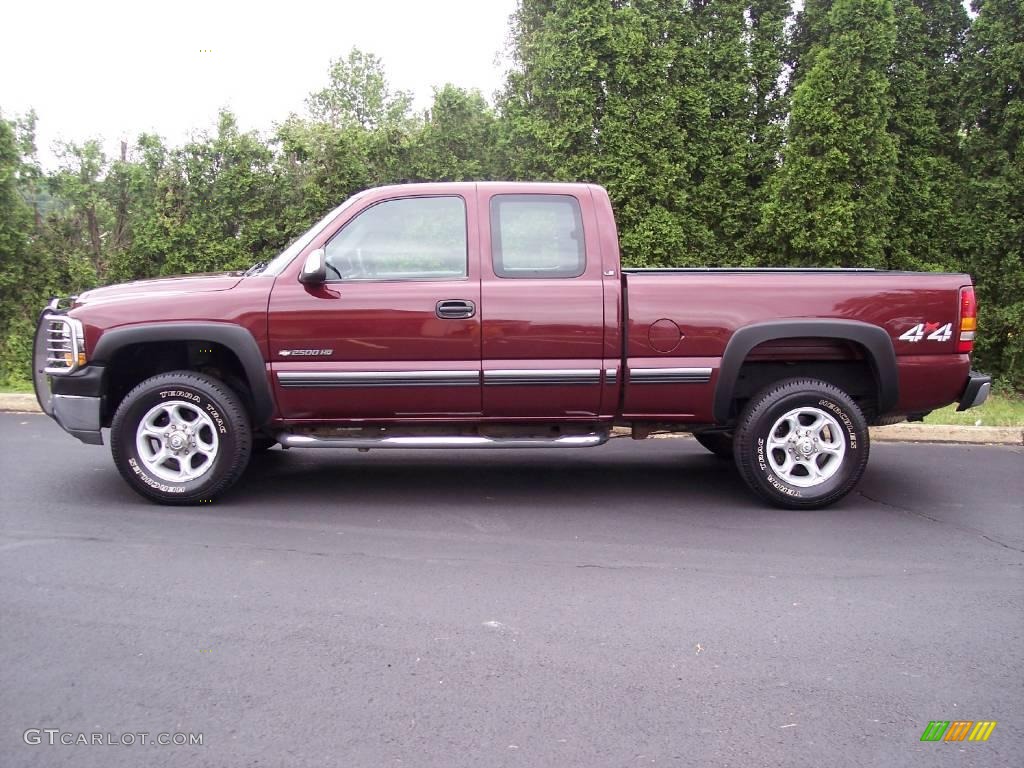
x=234 y=337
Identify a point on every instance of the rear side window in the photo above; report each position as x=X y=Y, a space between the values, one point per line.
x=413 y=238
x=536 y=236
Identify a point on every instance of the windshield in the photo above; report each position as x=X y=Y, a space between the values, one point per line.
x=279 y=262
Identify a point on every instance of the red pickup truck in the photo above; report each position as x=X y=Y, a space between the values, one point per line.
x=497 y=315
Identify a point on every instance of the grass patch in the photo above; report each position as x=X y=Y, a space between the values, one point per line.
x=17 y=386
x=1000 y=410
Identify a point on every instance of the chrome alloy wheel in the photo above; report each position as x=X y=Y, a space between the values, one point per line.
x=177 y=441
x=806 y=447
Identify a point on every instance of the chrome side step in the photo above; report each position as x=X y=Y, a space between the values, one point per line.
x=290 y=440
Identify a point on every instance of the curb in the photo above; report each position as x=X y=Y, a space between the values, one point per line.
x=907 y=432
x=19 y=403
x=894 y=433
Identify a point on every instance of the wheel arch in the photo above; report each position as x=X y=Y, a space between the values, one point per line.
x=234 y=338
x=880 y=354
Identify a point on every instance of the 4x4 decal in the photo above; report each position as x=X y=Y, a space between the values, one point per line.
x=928 y=332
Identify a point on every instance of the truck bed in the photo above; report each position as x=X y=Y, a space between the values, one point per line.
x=678 y=319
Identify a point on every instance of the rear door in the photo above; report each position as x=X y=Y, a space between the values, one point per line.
x=542 y=303
x=395 y=330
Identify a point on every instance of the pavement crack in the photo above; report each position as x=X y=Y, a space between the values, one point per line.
x=1000 y=543
x=922 y=515
x=897 y=506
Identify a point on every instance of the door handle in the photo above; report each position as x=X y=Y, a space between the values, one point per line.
x=455 y=309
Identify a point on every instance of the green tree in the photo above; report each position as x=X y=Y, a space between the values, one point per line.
x=654 y=112
x=78 y=229
x=358 y=94
x=218 y=202
x=992 y=208
x=829 y=203
x=15 y=224
x=29 y=272
x=769 y=106
x=810 y=31
x=317 y=166
x=135 y=185
x=457 y=140
x=722 y=199
x=554 y=99
x=923 y=83
x=654 y=100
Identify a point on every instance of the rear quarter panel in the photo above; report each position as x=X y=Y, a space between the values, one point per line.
x=709 y=307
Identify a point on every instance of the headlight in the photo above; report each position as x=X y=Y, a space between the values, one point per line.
x=65 y=344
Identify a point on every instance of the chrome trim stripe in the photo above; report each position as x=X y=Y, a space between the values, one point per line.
x=505 y=377
x=670 y=375
x=541 y=376
x=334 y=379
x=611 y=375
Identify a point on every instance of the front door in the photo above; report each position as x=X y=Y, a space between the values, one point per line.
x=394 y=333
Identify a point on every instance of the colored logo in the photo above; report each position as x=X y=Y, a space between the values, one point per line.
x=958 y=730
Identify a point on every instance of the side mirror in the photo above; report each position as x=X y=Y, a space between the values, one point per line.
x=314 y=270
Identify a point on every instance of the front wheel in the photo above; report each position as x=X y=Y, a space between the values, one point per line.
x=181 y=438
x=801 y=444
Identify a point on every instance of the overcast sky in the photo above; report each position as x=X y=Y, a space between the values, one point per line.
x=114 y=68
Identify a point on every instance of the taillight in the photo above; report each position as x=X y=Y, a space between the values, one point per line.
x=968 y=319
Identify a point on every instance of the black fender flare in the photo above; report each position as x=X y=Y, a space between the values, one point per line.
x=234 y=337
x=881 y=355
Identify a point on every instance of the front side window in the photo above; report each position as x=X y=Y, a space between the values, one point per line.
x=537 y=236
x=415 y=238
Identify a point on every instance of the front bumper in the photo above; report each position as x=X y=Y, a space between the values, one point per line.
x=74 y=401
x=79 y=416
x=979 y=385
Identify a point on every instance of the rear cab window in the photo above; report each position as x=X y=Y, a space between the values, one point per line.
x=537 y=236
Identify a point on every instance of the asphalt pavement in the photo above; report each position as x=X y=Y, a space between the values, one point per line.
x=620 y=606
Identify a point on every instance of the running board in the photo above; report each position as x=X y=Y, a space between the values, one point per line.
x=290 y=440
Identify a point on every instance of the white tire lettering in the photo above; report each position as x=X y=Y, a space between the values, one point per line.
x=153 y=483
x=843 y=418
x=178 y=393
x=216 y=417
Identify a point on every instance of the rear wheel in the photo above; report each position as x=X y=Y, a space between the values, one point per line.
x=719 y=443
x=801 y=444
x=181 y=438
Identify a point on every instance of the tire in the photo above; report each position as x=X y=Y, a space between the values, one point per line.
x=194 y=413
x=719 y=443
x=801 y=444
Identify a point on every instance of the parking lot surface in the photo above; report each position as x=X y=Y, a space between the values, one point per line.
x=620 y=606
